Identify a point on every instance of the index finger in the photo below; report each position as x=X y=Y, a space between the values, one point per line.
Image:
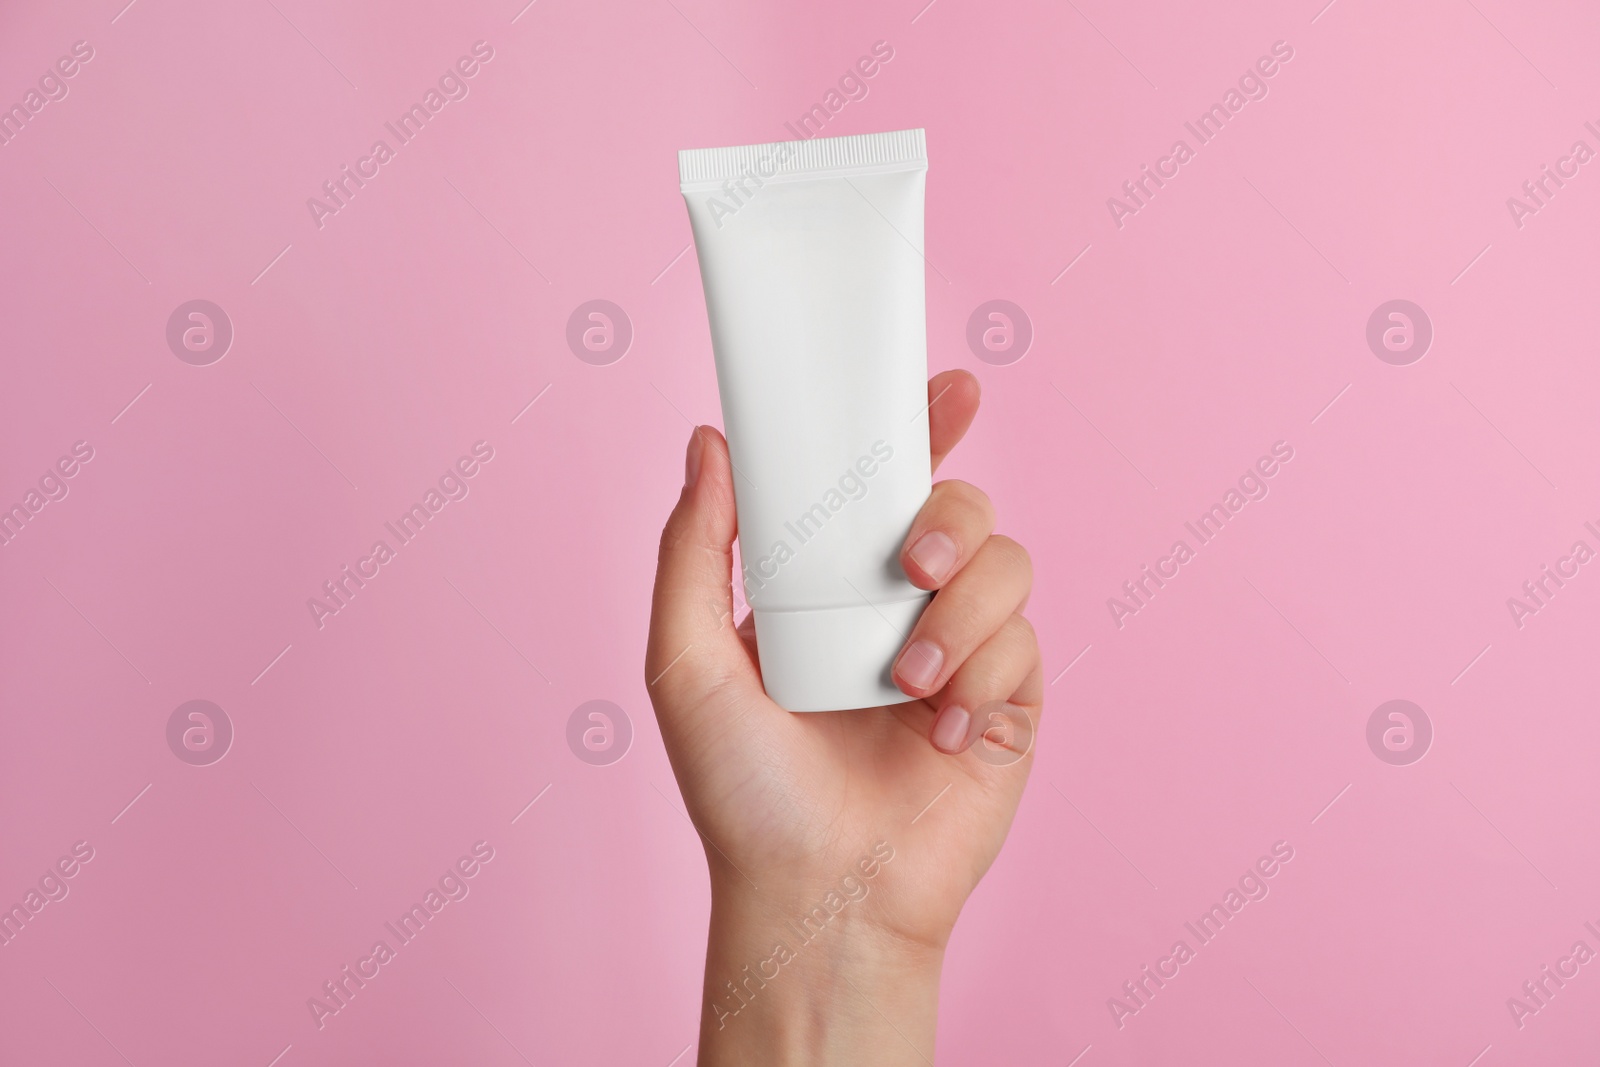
x=953 y=397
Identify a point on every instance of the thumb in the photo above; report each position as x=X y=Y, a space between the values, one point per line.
x=694 y=649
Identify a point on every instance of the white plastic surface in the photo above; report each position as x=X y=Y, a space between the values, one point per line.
x=834 y=659
x=811 y=257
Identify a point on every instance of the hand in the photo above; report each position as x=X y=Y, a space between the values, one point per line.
x=826 y=814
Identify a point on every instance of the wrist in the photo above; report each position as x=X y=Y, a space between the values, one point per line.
x=812 y=977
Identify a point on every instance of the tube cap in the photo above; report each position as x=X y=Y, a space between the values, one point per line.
x=833 y=659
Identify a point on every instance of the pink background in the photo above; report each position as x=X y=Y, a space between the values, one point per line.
x=371 y=353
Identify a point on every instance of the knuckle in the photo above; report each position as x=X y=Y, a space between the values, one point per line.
x=976 y=501
x=675 y=531
x=1012 y=554
x=671 y=538
x=983 y=680
x=963 y=497
x=950 y=625
x=964 y=616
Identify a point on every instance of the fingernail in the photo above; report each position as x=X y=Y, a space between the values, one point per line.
x=935 y=553
x=919 y=665
x=691 y=459
x=950 y=729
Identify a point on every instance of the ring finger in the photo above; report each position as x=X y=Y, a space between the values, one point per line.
x=1004 y=669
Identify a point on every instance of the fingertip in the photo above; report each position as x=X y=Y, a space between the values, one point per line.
x=918 y=668
x=931 y=559
x=692 y=457
x=953 y=398
x=950 y=729
x=960 y=385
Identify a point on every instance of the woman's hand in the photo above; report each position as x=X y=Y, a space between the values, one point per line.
x=842 y=845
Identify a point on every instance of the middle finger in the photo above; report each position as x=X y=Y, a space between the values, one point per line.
x=955 y=522
x=963 y=615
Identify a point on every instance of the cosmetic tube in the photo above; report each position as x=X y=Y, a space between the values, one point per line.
x=811 y=257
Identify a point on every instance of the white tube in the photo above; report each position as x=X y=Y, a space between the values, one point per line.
x=811 y=257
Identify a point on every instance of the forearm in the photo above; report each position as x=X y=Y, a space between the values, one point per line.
x=784 y=985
